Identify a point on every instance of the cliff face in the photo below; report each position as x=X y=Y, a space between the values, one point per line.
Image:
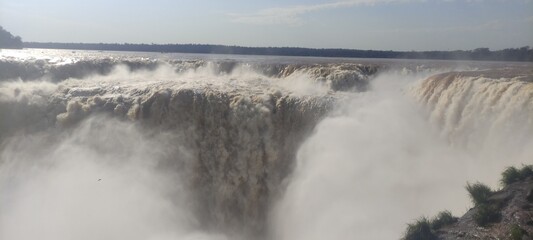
x=515 y=221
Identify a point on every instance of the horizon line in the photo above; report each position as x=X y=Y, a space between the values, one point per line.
x=267 y=47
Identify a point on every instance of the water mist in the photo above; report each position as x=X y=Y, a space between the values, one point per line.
x=378 y=163
x=132 y=148
x=103 y=179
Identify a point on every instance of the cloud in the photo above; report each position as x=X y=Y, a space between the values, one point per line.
x=292 y=15
x=494 y=25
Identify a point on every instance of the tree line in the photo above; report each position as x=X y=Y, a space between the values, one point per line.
x=7 y=40
x=509 y=54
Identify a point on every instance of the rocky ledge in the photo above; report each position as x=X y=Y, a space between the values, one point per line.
x=503 y=214
x=512 y=217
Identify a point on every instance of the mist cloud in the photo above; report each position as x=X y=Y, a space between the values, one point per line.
x=379 y=164
x=101 y=180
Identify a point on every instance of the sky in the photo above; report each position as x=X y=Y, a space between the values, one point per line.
x=355 y=24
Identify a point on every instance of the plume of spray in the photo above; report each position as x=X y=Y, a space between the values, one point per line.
x=103 y=179
x=489 y=116
x=249 y=97
x=371 y=167
x=374 y=166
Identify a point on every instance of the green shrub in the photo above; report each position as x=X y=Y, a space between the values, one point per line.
x=420 y=230
x=442 y=219
x=517 y=233
x=526 y=171
x=486 y=214
x=510 y=175
x=479 y=193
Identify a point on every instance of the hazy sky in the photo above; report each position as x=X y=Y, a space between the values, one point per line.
x=359 y=24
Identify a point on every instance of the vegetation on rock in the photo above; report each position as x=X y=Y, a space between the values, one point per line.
x=479 y=193
x=423 y=229
x=419 y=230
x=512 y=174
x=517 y=233
x=442 y=219
x=485 y=214
x=502 y=214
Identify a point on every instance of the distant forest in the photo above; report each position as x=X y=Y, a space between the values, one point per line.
x=510 y=54
x=7 y=40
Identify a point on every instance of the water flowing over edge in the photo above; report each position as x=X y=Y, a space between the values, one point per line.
x=236 y=128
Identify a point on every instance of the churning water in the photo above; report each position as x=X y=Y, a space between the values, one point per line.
x=101 y=145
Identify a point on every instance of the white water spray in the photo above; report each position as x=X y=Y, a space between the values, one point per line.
x=188 y=149
x=103 y=180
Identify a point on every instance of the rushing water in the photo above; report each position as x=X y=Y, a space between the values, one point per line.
x=107 y=145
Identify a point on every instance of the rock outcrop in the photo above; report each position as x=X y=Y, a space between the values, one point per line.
x=513 y=204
